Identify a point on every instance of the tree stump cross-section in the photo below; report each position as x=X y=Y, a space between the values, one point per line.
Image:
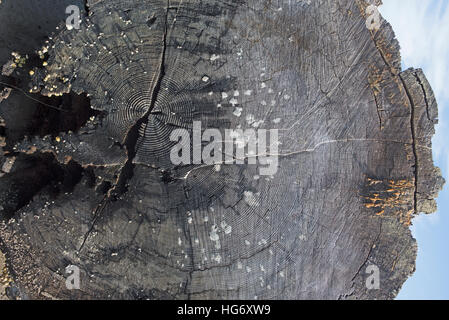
x=87 y=179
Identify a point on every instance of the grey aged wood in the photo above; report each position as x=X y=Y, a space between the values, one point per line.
x=355 y=161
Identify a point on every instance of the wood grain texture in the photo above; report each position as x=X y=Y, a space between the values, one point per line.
x=355 y=160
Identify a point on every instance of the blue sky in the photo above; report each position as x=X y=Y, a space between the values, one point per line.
x=422 y=28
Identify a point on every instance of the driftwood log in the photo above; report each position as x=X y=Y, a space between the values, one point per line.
x=87 y=180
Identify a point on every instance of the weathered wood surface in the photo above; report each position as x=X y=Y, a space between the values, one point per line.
x=355 y=161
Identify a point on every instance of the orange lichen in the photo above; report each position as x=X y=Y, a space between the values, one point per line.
x=375 y=79
x=394 y=196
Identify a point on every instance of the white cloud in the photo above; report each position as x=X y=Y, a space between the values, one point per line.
x=422 y=28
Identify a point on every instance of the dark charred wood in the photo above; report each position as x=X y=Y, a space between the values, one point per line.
x=91 y=183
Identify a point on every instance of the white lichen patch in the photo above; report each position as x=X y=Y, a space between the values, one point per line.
x=214 y=234
x=257 y=124
x=226 y=228
x=215 y=237
x=251 y=199
x=250 y=120
x=238 y=112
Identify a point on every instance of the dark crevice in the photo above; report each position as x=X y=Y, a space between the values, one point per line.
x=50 y=121
x=379 y=110
x=31 y=175
x=372 y=247
x=90 y=177
x=167 y=176
x=151 y=20
x=86 y=8
x=127 y=171
x=7 y=81
x=2 y=129
x=133 y=134
x=415 y=152
x=31 y=114
x=71 y=112
x=425 y=96
x=104 y=187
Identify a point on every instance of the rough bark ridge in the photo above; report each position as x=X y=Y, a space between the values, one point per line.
x=93 y=186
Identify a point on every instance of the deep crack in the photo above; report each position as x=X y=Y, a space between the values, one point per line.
x=127 y=170
x=425 y=95
x=415 y=153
